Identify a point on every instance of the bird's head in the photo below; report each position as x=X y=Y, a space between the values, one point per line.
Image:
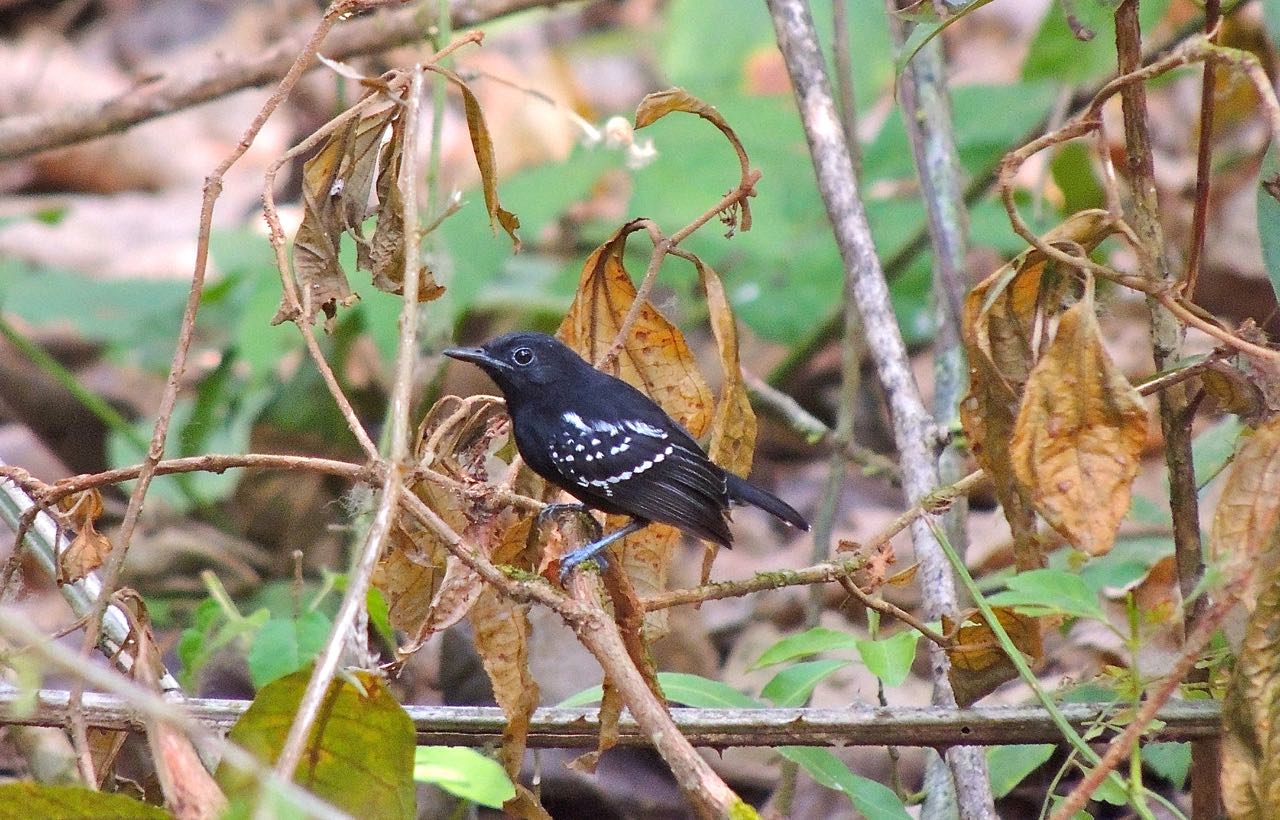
x=520 y=362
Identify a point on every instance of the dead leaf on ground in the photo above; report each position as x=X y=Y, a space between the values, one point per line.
x=1078 y=438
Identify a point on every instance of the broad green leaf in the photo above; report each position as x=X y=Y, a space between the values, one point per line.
x=1052 y=590
x=1213 y=449
x=1010 y=765
x=809 y=642
x=465 y=773
x=360 y=753
x=1172 y=761
x=285 y=645
x=793 y=686
x=26 y=799
x=889 y=659
x=873 y=800
x=1056 y=54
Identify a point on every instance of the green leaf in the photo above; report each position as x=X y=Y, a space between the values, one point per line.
x=1269 y=212
x=1172 y=761
x=360 y=753
x=809 y=642
x=1050 y=590
x=27 y=799
x=1010 y=765
x=793 y=685
x=1056 y=54
x=1213 y=449
x=285 y=645
x=889 y=659
x=465 y=773
x=873 y=800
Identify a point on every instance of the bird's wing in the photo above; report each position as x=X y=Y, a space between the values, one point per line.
x=653 y=473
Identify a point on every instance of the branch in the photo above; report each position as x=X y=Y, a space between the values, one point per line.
x=575 y=728
x=25 y=134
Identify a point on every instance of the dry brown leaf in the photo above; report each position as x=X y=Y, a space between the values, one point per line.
x=733 y=428
x=1079 y=434
x=89 y=548
x=502 y=639
x=659 y=104
x=978 y=663
x=1247 y=520
x=1000 y=317
x=86 y=552
x=482 y=146
x=426 y=588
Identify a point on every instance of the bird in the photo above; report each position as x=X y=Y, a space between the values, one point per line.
x=610 y=446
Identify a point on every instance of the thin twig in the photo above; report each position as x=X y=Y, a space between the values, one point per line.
x=398 y=457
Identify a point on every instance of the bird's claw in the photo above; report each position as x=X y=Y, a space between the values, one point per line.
x=570 y=562
x=552 y=511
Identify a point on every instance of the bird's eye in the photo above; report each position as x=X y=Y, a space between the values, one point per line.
x=522 y=356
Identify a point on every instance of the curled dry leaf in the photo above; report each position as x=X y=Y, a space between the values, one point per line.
x=654 y=356
x=978 y=663
x=1078 y=437
x=426 y=588
x=733 y=428
x=656 y=359
x=1247 y=520
x=89 y=548
x=659 y=104
x=1000 y=318
x=482 y=146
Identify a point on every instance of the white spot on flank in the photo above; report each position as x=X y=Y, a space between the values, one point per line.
x=576 y=421
x=590 y=457
x=568 y=457
x=667 y=451
x=621 y=448
x=595 y=442
x=644 y=466
x=579 y=448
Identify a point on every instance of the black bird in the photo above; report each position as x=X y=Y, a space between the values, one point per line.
x=611 y=446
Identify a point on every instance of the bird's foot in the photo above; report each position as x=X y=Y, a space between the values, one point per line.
x=592 y=551
x=595 y=549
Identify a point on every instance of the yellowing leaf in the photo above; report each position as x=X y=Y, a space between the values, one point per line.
x=359 y=755
x=1078 y=437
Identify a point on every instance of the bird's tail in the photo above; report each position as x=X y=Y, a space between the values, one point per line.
x=744 y=493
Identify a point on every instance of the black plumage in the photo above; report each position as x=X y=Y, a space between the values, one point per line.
x=609 y=445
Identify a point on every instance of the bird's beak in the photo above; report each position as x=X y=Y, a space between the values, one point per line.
x=476 y=355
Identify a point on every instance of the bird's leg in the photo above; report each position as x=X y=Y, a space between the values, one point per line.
x=569 y=562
